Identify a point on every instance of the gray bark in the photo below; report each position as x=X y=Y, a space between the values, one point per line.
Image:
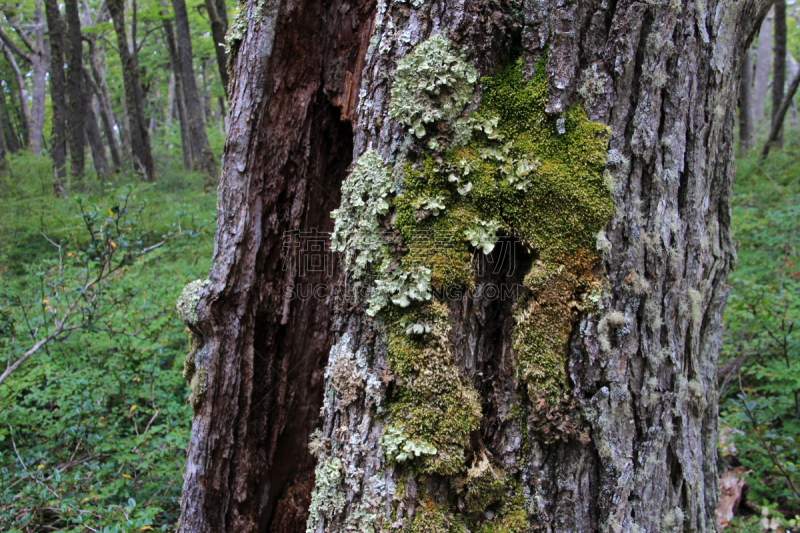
x=763 y=68
x=746 y=126
x=172 y=50
x=39 y=63
x=58 y=96
x=137 y=126
x=204 y=159
x=664 y=78
x=76 y=94
x=97 y=82
x=94 y=138
x=779 y=66
x=22 y=94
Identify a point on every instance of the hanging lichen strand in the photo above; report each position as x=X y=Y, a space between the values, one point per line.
x=506 y=169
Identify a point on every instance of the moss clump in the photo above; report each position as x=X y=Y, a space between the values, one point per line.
x=434 y=404
x=556 y=293
x=523 y=177
x=483 y=486
x=433 y=518
x=432 y=83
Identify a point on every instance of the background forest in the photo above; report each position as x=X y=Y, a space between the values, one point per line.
x=112 y=122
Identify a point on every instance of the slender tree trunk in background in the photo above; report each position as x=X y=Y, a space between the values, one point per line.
x=170 y=99
x=219 y=26
x=139 y=137
x=95 y=140
x=8 y=131
x=27 y=121
x=639 y=412
x=777 y=124
x=58 y=96
x=97 y=82
x=203 y=158
x=3 y=156
x=223 y=126
x=779 y=65
x=75 y=91
x=763 y=69
x=746 y=127
x=186 y=137
x=39 y=63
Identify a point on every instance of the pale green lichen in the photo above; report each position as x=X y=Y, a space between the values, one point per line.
x=328 y=498
x=356 y=232
x=399 y=447
x=186 y=303
x=400 y=287
x=483 y=235
x=194 y=366
x=432 y=83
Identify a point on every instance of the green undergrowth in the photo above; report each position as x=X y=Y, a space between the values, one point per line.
x=760 y=355
x=95 y=425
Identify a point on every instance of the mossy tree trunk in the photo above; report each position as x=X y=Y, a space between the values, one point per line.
x=592 y=139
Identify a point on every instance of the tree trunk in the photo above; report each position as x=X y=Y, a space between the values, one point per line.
x=93 y=137
x=3 y=156
x=58 y=96
x=217 y=15
x=779 y=66
x=75 y=90
x=97 y=82
x=39 y=66
x=746 y=127
x=763 y=68
x=204 y=160
x=22 y=95
x=584 y=399
x=8 y=130
x=139 y=137
x=172 y=50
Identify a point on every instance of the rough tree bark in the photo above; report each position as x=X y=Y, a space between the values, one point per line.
x=746 y=126
x=58 y=96
x=76 y=95
x=779 y=66
x=617 y=430
x=204 y=159
x=763 y=68
x=139 y=136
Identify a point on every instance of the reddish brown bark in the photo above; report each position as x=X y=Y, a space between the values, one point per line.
x=288 y=149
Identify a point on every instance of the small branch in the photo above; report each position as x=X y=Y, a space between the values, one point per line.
x=777 y=124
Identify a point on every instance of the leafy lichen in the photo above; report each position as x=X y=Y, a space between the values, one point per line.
x=327 y=500
x=356 y=231
x=432 y=83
